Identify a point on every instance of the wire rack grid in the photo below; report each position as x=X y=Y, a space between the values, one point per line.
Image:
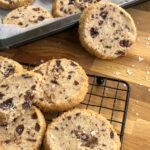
x=107 y=96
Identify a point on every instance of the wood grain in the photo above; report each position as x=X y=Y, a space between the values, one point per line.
x=66 y=44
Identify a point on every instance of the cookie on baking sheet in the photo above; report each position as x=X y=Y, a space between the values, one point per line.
x=12 y=4
x=24 y=133
x=62 y=8
x=81 y=129
x=26 y=15
x=66 y=84
x=82 y=4
x=106 y=30
x=8 y=67
x=17 y=93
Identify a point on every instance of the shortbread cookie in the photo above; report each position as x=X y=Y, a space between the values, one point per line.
x=66 y=84
x=106 y=30
x=26 y=15
x=12 y=4
x=17 y=93
x=8 y=67
x=82 y=4
x=62 y=8
x=81 y=130
x=24 y=133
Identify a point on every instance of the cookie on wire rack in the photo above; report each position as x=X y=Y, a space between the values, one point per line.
x=66 y=84
x=81 y=129
x=26 y=15
x=106 y=30
x=8 y=67
x=24 y=133
x=17 y=93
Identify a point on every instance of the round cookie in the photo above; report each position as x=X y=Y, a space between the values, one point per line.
x=12 y=4
x=62 y=8
x=8 y=67
x=81 y=130
x=82 y=4
x=26 y=15
x=106 y=30
x=66 y=84
x=24 y=133
x=17 y=93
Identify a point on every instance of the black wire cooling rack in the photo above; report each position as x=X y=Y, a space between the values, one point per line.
x=107 y=96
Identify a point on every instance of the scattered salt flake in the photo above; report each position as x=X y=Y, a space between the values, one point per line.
x=93 y=133
x=137 y=114
x=148 y=90
x=63 y=84
x=129 y=72
x=117 y=73
x=53 y=85
x=148 y=38
x=140 y=59
x=147 y=72
x=140 y=84
x=133 y=65
x=147 y=43
x=124 y=85
x=42 y=61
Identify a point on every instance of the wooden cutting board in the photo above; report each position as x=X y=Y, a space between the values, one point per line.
x=66 y=44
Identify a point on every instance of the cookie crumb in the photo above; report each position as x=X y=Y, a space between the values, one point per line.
x=140 y=59
x=133 y=65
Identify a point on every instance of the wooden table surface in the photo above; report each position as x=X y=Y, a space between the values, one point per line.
x=66 y=44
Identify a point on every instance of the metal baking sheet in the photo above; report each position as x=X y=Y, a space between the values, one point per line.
x=51 y=28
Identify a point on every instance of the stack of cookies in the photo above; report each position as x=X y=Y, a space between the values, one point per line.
x=54 y=86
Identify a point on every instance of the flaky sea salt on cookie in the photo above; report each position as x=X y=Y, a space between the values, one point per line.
x=106 y=30
x=66 y=84
x=81 y=130
x=26 y=15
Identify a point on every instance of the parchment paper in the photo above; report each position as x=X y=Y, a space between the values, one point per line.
x=7 y=30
